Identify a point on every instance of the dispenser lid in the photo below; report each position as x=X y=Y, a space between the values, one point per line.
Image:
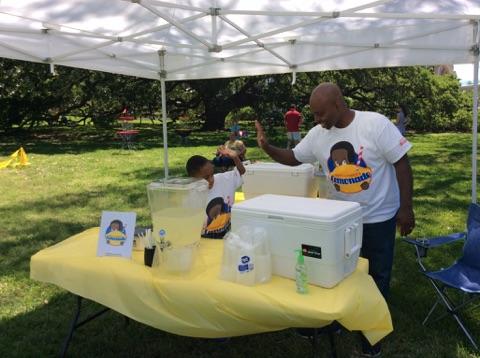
x=179 y=183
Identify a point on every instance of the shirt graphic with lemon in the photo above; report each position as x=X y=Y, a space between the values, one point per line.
x=347 y=169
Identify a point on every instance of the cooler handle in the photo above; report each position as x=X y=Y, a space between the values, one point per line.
x=275 y=217
x=350 y=241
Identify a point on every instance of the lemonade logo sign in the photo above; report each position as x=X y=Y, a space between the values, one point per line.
x=115 y=234
x=347 y=169
x=115 y=237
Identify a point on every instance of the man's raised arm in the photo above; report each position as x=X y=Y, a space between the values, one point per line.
x=280 y=155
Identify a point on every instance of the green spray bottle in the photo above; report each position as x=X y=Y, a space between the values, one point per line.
x=301 y=278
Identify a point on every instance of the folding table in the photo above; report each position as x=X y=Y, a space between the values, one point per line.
x=199 y=304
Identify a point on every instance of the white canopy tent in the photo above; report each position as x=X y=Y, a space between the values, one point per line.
x=199 y=39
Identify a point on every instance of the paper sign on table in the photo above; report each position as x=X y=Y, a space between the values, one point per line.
x=116 y=233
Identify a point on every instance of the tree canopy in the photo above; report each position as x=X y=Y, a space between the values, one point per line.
x=30 y=96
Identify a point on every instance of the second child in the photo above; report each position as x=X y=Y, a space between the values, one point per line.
x=222 y=187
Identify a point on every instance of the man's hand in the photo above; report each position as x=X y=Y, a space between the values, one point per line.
x=261 y=138
x=405 y=221
x=227 y=152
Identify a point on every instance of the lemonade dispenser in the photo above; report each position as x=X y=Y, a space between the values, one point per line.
x=177 y=206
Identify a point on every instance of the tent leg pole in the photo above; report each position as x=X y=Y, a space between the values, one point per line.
x=164 y=122
x=475 y=115
x=475 y=131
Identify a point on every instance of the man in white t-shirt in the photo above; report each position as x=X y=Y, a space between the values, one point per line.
x=365 y=158
x=221 y=195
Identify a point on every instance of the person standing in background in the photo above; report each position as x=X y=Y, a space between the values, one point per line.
x=293 y=121
x=402 y=119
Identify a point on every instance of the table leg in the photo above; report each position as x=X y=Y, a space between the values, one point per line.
x=330 y=330
x=124 y=141
x=75 y=324
x=130 y=141
x=332 y=343
x=315 y=343
x=72 y=327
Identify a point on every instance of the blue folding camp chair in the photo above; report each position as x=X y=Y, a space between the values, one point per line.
x=463 y=275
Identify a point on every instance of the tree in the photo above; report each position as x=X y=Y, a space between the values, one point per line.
x=217 y=98
x=435 y=102
x=30 y=95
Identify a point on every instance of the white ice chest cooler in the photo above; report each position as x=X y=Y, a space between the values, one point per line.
x=329 y=232
x=274 y=178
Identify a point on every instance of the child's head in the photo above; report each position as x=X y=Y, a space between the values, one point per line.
x=200 y=167
x=233 y=136
x=116 y=225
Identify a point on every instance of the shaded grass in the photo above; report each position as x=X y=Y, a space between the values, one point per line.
x=76 y=174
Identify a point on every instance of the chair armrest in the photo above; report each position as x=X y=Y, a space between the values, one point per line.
x=422 y=245
x=436 y=241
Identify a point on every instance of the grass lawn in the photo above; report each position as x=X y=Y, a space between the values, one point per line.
x=75 y=175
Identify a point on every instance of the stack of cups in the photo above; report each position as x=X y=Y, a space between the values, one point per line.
x=246 y=257
x=263 y=258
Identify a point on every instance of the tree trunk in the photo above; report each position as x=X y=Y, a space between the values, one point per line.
x=214 y=117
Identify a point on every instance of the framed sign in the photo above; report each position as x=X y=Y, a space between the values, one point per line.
x=116 y=233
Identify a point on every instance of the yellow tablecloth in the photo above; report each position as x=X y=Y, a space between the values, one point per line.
x=199 y=304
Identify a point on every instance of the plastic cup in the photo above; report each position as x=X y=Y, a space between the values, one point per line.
x=138 y=244
x=228 y=271
x=246 y=268
x=263 y=268
x=180 y=259
x=148 y=256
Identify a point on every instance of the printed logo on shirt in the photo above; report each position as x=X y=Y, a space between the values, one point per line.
x=218 y=219
x=347 y=170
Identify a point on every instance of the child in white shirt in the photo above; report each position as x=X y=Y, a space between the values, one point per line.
x=222 y=187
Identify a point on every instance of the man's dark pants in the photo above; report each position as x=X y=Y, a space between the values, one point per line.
x=377 y=246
